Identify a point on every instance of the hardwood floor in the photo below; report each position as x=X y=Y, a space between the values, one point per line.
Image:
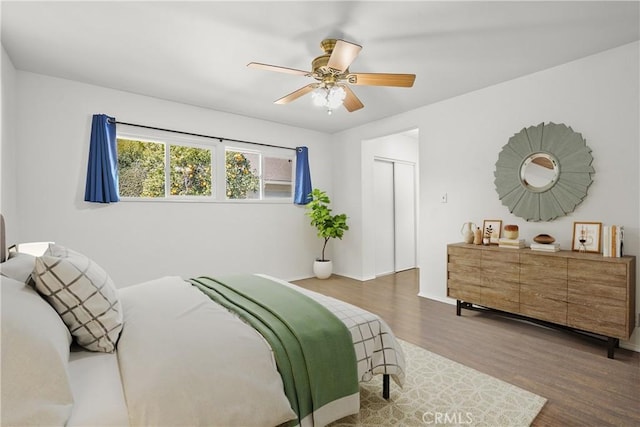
x=583 y=386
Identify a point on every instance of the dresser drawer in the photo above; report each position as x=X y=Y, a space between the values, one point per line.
x=505 y=298
x=463 y=274
x=504 y=256
x=542 y=305
x=597 y=282
x=464 y=255
x=600 y=272
x=598 y=318
x=500 y=267
x=463 y=291
x=543 y=270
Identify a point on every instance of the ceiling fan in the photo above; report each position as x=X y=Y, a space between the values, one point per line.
x=331 y=71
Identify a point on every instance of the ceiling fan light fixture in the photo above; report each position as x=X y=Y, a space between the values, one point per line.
x=331 y=71
x=328 y=97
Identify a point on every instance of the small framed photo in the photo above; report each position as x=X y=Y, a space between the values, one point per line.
x=586 y=236
x=492 y=229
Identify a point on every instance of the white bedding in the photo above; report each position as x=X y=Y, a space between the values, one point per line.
x=98 y=398
x=192 y=377
x=187 y=361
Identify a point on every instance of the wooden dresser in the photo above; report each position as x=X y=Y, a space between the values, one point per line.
x=581 y=291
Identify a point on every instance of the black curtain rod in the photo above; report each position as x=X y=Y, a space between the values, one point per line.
x=200 y=135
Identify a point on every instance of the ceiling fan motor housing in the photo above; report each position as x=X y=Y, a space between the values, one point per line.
x=328 y=45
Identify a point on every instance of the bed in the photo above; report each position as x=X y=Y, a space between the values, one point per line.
x=172 y=351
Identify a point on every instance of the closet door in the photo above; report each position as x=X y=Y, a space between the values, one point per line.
x=383 y=184
x=405 y=215
x=395 y=214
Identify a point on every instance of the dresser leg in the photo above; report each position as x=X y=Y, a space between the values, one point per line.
x=612 y=344
x=458 y=307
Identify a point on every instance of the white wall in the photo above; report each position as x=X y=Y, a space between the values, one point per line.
x=136 y=241
x=8 y=146
x=460 y=139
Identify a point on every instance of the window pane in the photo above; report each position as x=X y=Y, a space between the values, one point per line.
x=190 y=171
x=243 y=176
x=141 y=168
x=277 y=177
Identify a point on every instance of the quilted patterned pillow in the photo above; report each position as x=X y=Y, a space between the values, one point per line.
x=83 y=294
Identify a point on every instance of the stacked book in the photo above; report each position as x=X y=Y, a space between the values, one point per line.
x=612 y=237
x=545 y=247
x=511 y=243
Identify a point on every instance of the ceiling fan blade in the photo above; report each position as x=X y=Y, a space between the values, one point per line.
x=343 y=55
x=351 y=101
x=381 y=79
x=296 y=94
x=278 y=69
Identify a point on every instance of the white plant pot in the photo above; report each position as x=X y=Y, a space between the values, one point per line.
x=322 y=269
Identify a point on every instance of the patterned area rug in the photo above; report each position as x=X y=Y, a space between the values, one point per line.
x=441 y=392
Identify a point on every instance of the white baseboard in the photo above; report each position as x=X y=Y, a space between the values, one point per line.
x=630 y=346
x=437 y=298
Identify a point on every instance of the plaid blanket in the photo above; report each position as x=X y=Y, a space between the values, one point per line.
x=377 y=350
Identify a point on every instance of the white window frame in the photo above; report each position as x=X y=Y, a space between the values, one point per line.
x=262 y=153
x=218 y=165
x=167 y=141
x=223 y=182
x=292 y=178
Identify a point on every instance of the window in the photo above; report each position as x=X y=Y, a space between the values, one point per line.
x=277 y=177
x=143 y=169
x=171 y=169
x=140 y=168
x=255 y=175
x=190 y=170
x=243 y=176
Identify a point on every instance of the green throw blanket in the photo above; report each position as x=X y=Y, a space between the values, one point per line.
x=312 y=347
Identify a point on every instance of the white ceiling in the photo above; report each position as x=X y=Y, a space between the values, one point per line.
x=196 y=52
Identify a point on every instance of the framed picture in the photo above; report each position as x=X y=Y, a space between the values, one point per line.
x=586 y=236
x=492 y=229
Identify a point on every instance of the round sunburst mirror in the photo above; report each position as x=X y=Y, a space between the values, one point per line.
x=543 y=172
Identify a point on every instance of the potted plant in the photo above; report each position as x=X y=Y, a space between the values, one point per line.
x=329 y=226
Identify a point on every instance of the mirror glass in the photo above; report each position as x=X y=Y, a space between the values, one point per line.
x=539 y=172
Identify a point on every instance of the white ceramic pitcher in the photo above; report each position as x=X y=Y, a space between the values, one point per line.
x=467 y=232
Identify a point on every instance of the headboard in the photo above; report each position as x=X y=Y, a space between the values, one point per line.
x=3 y=243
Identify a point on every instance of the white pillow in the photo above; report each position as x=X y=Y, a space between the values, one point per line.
x=31 y=248
x=83 y=294
x=19 y=266
x=35 y=386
